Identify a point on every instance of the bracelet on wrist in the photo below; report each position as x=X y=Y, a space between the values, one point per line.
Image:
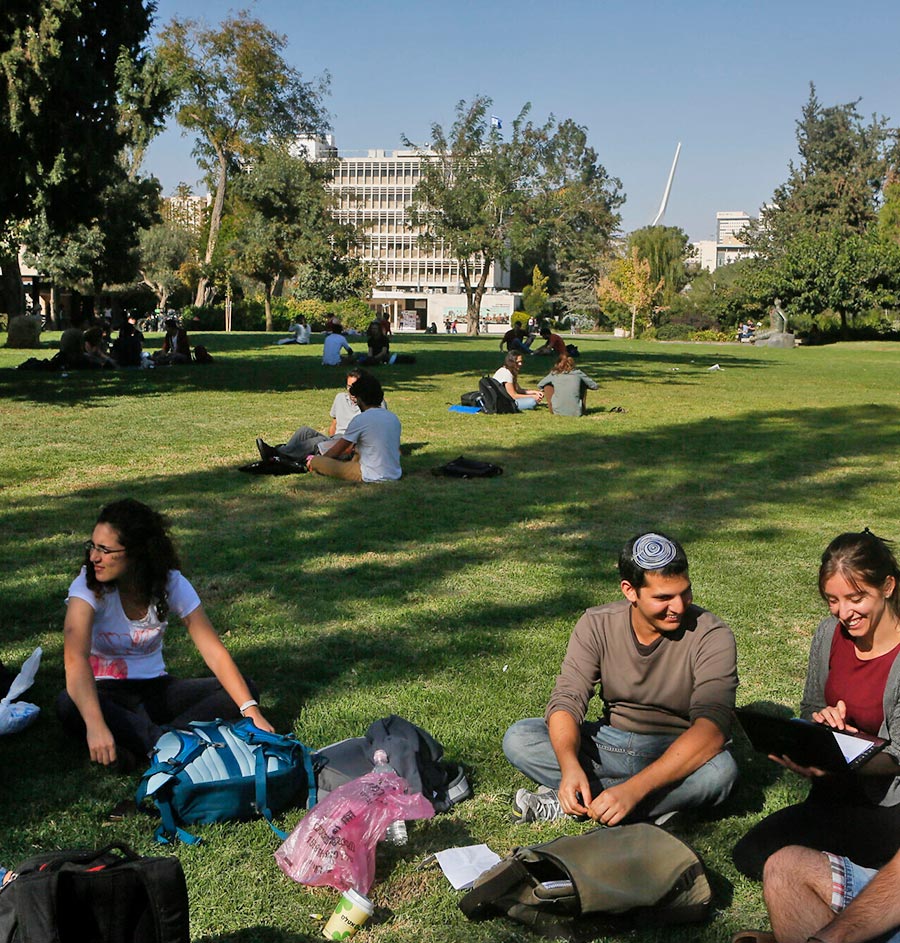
x=247 y=705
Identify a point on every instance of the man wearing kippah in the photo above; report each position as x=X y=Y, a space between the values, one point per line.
x=666 y=672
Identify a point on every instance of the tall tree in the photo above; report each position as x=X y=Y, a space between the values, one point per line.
x=837 y=183
x=235 y=92
x=284 y=218
x=64 y=68
x=629 y=283
x=489 y=199
x=535 y=296
x=665 y=248
x=167 y=251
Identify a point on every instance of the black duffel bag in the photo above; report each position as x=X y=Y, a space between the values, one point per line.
x=107 y=896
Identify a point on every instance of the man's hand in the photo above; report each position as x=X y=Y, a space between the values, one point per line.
x=574 y=791
x=613 y=804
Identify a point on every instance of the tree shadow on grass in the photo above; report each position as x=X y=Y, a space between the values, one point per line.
x=309 y=578
x=250 y=363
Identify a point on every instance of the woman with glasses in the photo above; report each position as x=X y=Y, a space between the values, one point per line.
x=118 y=692
x=508 y=375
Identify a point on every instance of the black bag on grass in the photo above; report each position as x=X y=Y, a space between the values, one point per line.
x=494 y=398
x=640 y=871
x=107 y=896
x=471 y=399
x=468 y=468
x=411 y=751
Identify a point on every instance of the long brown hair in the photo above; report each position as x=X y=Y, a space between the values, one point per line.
x=861 y=557
x=565 y=364
x=511 y=362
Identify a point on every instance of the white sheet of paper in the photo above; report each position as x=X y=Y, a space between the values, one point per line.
x=462 y=865
x=851 y=747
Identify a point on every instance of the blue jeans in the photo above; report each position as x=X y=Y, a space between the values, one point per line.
x=526 y=402
x=610 y=756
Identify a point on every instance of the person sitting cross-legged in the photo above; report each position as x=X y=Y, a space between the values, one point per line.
x=667 y=674
x=307 y=441
x=375 y=436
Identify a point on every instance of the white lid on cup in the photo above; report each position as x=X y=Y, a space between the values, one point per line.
x=360 y=900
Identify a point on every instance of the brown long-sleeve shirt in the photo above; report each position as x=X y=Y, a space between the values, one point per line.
x=687 y=674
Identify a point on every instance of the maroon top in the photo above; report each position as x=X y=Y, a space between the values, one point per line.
x=858 y=682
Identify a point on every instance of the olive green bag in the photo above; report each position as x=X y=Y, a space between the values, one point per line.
x=640 y=870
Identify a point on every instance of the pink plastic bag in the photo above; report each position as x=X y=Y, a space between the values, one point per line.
x=335 y=842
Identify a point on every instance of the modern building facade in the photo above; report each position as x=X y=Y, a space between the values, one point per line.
x=727 y=247
x=374 y=193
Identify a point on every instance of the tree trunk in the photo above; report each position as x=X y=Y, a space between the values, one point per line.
x=12 y=294
x=633 y=319
x=203 y=296
x=844 y=331
x=267 y=293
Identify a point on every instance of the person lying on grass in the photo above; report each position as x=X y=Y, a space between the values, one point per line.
x=118 y=693
x=667 y=673
x=374 y=435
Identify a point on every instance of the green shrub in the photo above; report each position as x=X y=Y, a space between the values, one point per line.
x=674 y=332
x=353 y=313
x=710 y=337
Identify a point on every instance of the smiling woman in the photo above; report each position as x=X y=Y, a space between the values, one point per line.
x=852 y=683
x=118 y=693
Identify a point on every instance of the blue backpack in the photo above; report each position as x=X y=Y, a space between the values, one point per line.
x=219 y=770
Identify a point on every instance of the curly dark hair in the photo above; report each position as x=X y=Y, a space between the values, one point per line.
x=150 y=551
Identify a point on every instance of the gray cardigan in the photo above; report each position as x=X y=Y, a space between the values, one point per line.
x=880 y=790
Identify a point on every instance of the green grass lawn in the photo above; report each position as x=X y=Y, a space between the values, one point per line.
x=447 y=601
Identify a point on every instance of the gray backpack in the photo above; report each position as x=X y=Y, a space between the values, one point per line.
x=640 y=871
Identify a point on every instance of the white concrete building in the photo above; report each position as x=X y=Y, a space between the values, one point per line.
x=729 y=247
x=374 y=193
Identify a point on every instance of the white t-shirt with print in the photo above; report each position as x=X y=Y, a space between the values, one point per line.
x=130 y=648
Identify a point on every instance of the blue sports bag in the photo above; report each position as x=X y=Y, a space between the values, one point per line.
x=217 y=771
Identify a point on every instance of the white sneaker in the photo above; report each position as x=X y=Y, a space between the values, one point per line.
x=540 y=806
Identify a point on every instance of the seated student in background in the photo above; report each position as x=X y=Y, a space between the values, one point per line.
x=308 y=441
x=565 y=388
x=825 y=898
x=553 y=346
x=176 y=347
x=517 y=338
x=374 y=435
x=378 y=343
x=508 y=375
x=853 y=683
x=334 y=343
x=118 y=693
x=666 y=671
x=129 y=345
x=300 y=332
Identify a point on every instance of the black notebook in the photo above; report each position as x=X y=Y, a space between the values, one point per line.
x=808 y=743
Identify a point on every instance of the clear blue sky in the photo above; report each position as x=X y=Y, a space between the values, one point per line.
x=726 y=79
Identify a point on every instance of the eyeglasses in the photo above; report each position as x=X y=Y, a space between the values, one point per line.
x=90 y=546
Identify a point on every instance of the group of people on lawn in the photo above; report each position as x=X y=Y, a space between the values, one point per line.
x=665 y=669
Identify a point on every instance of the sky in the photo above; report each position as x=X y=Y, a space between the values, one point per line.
x=726 y=79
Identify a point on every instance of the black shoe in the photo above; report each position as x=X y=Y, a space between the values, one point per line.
x=266 y=452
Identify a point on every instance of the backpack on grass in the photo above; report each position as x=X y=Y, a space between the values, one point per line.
x=494 y=398
x=468 y=468
x=217 y=771
x=472 y=398
x=107 y=896
x=412 y=752
x=640 y=871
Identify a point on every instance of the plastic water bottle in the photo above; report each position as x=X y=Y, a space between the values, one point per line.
x=396 y=832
